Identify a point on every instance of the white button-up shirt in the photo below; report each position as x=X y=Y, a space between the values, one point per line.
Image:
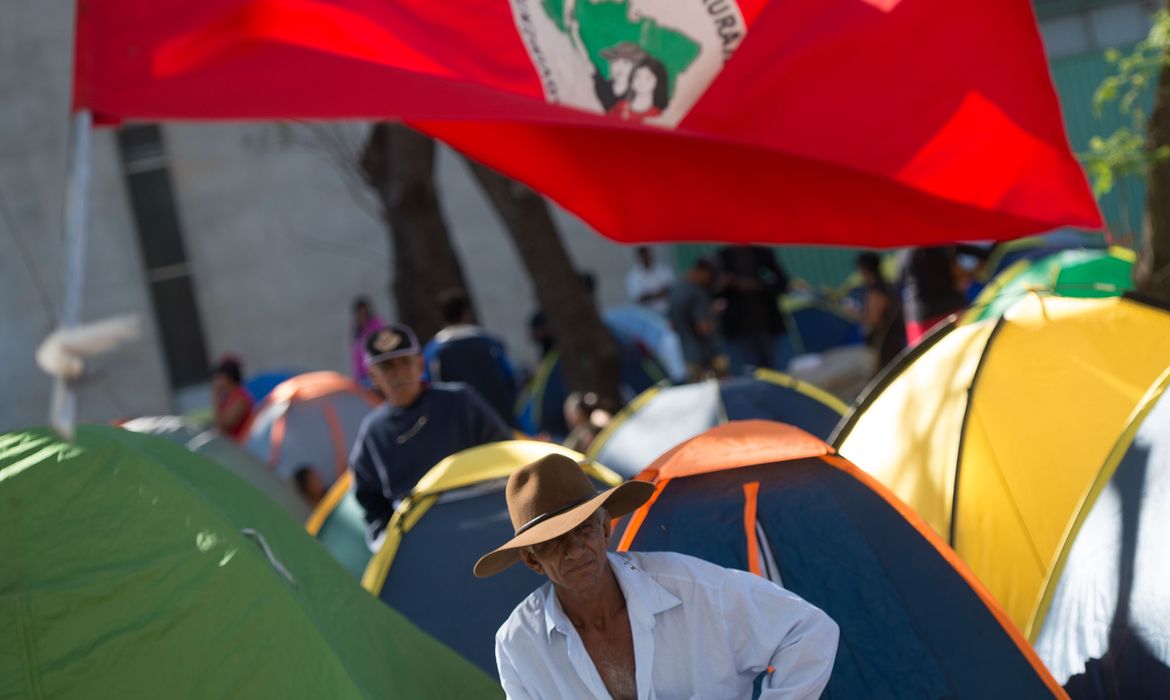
x=700 y=631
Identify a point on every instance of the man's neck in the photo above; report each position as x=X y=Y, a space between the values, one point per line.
x=595 y=607
x=405 y=405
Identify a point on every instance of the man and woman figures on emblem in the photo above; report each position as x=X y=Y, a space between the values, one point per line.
x=638 y=86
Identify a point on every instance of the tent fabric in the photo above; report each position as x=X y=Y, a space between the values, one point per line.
x=310 y=420
x=1103 y=627
x=1082 y=273
x=1004 y=255
x=135 y=568
x=634 y=323
x=226 y=453
x=968 y=145
x=814 y=325
x=261 y=385
x=1002 y=426
x=541 y=406
x=661 y=418
x=339 y=524
x=914 y=621
x=455 y=515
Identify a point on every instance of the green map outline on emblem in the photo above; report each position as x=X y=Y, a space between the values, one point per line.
x=606 y=25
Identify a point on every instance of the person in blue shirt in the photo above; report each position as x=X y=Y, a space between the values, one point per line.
x=417 y=426
x=465 y=352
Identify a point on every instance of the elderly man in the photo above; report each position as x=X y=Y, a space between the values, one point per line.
x=640 y=625
x=418 y=426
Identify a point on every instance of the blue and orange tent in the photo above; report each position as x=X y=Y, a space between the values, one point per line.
x=310 y=420
x=662 y=417
x=455 y=514
x=774 y=500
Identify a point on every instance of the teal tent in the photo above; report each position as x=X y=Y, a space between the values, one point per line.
x=339 y=524
x=133 y=568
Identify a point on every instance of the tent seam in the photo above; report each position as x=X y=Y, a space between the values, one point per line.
x=1105 y=475
x=31 y=678
x=885 y=378
x=975 y=376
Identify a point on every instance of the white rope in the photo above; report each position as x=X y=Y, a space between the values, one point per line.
x=63 y=353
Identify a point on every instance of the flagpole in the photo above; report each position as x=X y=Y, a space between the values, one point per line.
x=63 y=411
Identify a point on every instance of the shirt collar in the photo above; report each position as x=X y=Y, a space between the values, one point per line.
x=458 y=330
x=401 y=410
x=645 y=598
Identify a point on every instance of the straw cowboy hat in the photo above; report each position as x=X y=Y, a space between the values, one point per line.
x=550 y=497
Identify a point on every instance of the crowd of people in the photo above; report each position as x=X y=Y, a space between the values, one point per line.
x=460 y=388
x=458 y=391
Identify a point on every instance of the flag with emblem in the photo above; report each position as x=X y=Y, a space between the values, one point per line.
x=861 y=122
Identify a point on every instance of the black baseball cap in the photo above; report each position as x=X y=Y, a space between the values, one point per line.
x=389 y=342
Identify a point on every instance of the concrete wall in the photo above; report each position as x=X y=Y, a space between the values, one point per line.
x=280 y=244
x=35 y=52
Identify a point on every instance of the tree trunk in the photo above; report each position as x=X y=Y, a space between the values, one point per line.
x=399 y=164
x=1152 y=274
x=589 y=354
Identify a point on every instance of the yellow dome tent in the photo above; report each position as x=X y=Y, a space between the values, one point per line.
x=994 y=432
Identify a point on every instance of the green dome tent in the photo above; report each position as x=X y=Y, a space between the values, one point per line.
x=1079 y=272
x=227 y=454
x=134 y=568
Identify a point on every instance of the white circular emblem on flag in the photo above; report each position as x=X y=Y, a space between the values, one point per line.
x=647 y=61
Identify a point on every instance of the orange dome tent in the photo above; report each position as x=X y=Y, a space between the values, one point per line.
x=771 y=499
x=309 y=420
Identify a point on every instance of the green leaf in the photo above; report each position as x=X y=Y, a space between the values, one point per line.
x=1102 y=182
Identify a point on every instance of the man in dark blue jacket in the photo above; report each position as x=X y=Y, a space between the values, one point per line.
x=417 y=427
x=465 y=352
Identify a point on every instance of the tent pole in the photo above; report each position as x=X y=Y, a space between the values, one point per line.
x=63 y=411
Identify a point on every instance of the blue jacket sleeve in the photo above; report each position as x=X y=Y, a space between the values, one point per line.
x=368 y=487
x=431 y=357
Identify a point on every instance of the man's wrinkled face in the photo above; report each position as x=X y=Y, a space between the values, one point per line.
x=400 y=379
x=576 y=560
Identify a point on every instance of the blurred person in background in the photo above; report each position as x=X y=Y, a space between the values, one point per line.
x=231 y=402
x=753 y=282
x=931 y=288
x=649 y=283
x=465 y=352
x=364 y=322
x=882 y=322
x=309 y=484
x=692 y=313
x=586 y=417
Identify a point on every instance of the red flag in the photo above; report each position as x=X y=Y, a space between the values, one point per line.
x=864 y=122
